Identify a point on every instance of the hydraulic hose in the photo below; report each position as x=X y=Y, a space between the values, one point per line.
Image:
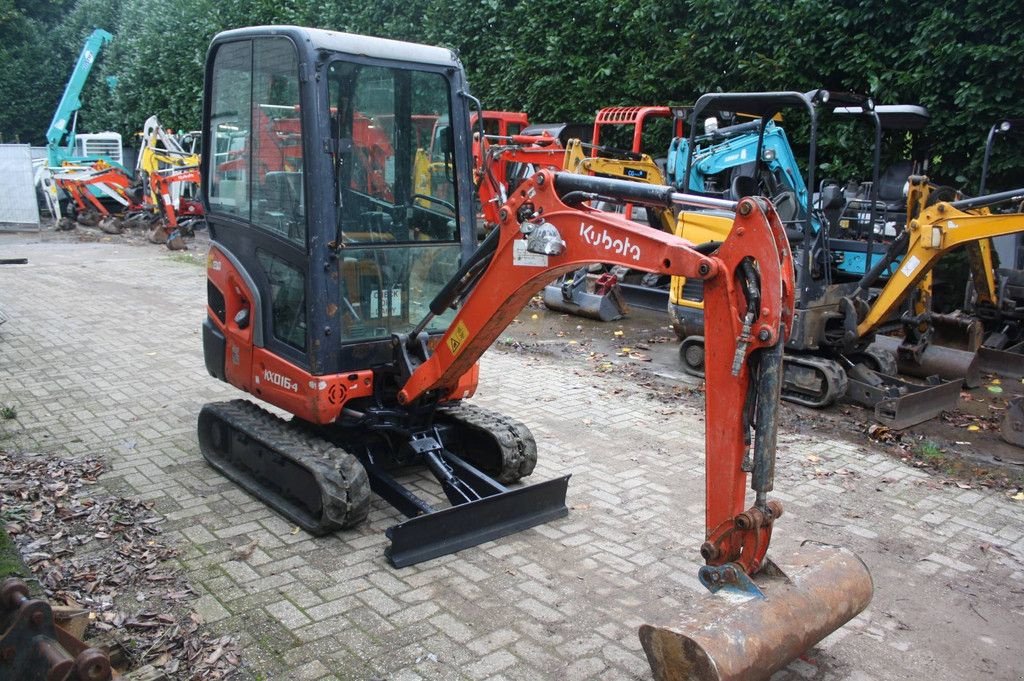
x=480 y=257
x=895 y=250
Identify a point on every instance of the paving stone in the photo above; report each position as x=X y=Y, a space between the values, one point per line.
x=210 y=609
x=561 y=601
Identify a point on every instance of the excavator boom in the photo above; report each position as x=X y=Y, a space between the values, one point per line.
x=937 y=230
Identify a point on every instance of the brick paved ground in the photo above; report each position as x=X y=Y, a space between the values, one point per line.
x=102 y=354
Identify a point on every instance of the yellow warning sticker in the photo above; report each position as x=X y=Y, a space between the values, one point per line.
x=458 y=338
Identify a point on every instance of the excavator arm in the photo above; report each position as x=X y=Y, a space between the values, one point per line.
x=545 y=231
x=937 y=230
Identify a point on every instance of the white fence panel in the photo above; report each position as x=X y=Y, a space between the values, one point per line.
x=18 y=204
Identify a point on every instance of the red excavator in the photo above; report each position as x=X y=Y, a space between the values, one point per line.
x=363 y=314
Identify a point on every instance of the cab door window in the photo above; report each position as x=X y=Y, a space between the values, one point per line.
x=396 y=203
x=277 y=188
x=256 y=170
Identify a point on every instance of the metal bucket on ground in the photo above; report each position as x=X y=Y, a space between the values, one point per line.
x=936 y=360
x=747 y=633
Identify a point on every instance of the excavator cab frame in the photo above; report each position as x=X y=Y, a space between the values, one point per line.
x=817 y=267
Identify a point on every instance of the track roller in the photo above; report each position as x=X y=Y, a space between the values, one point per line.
x=496 y=444
x=813 y=381
x=808 y=380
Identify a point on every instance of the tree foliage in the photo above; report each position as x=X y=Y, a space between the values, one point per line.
x=563 y=60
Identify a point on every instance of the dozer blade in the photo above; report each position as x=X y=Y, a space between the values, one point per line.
x=748 y=634
x=922 y=404
x=1008 y=362
x=900 y=404
x=459 y=527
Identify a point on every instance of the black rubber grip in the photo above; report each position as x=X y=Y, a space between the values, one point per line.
x=625 y=190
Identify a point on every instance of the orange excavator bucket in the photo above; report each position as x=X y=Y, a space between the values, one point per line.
x=749 y=629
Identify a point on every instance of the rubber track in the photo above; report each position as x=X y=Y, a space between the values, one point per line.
x=831 y=372
x=514 y=439
x=346 y=496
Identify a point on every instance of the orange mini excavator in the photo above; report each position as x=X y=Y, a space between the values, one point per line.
x=363 y=314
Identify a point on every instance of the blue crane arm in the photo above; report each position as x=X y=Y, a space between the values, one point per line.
x=60 y=138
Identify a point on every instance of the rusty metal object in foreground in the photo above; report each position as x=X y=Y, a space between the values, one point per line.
x=33 y=646
x=730 y=636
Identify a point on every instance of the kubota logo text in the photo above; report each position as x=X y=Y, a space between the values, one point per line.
x=602 y=239
x=280 y=380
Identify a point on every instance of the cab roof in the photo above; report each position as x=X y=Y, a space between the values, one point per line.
x=349 y=43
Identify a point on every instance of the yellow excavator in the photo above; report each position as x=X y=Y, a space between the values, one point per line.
x=934 y=228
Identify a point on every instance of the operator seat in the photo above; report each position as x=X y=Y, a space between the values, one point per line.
x=743 y=186
x=891 y=183
x=742 y=181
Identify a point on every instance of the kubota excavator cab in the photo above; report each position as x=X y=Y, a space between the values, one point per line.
x=325 y=249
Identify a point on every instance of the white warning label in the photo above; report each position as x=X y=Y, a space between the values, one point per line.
x=910 y=265
x=524 y=258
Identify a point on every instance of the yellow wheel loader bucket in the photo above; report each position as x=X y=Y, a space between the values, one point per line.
x=746 y=631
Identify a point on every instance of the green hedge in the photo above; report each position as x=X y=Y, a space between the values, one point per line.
x=563 y=60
